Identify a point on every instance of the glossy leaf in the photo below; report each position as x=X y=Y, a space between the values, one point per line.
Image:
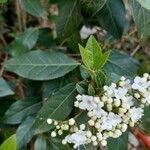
x=19 y=110
x=5 y=90
x=112 y=17
x=120 y=143
x=34 y=7
x=121 y=64
x=9 y=144
x=58 y=107
x=69 y=19
x=142 y=20
x=40 y=65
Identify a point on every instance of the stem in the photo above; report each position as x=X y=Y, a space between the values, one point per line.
x=18 y=15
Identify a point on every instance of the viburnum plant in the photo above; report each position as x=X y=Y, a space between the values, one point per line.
x=109 y=108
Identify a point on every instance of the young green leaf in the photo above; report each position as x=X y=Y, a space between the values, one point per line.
x=40 y=65
x=9 y=144
x=5 y=90
x=91 y=90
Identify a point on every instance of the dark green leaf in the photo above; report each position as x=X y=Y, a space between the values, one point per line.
x=4 y=88
x=141 y=17
x=112 y=17
x=121 y=64
x=120 y=143
x=34 y=7
x=9 y=144
x=146 y=120
x=24 y=42
x=25 y=132
x=41 y=143
x=19 y=110
x=40 y=65
x=69 y=19
x=93 y=6
x=58 y=107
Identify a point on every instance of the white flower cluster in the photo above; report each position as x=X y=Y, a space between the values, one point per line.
x=110 y=114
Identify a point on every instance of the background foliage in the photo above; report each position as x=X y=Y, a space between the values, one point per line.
x=40 y=61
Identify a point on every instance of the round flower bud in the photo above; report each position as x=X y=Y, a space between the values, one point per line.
x=66 y=127
x=117 y=102
x=118 y=132
x=137 y=95
x=95 y=143
x=88 y=134
x=60 y=132
x=55 y=123
x=90 y=113
x=57 y=127
x=71 y=122
x=124 y=127
x=121 y=83
x=91 y=122
x=104 y=98
x=82 y=126
x=49 y=121
x=76 y=104
x=97 y=125
x=131 y=124
x=110 y=134
x=53 y=134
x=109 y=107
x=122 y=78
x=99 y=136
x=104 y=142
x=79 y=97
x=64 y=141
x=146 y=75
x=75 y=129
x=93 y=138
x=143 y=100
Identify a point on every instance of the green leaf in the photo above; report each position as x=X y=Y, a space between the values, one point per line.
x=55 y=144
x=9 y=144
x=142 y=20
x=100 y=78
x=120 y=143
x=91 y=90
x=145 y=3
x=40 y=65
x=58 y=107
x=24 y=42
x=19 y=110
x=104 y=58
x=112 y=17
x=121 y=64
x=5 y=90
x=69 y=18
x=95 y=52
x=3 y=1
x=85 y=56
x=93 y=6
x=40 y=143
x=146 y=120
x=25 y=132
x=33 y=7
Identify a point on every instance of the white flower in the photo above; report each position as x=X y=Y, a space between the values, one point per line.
x=128 y=101
x=85 y=32
x=136 y=114
x=87 y=103
x=98 y=111
x=147 y=97
x=109 y=90
x=140 y=84
x=78 y=138
x=120 y=93
x=110 y=121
